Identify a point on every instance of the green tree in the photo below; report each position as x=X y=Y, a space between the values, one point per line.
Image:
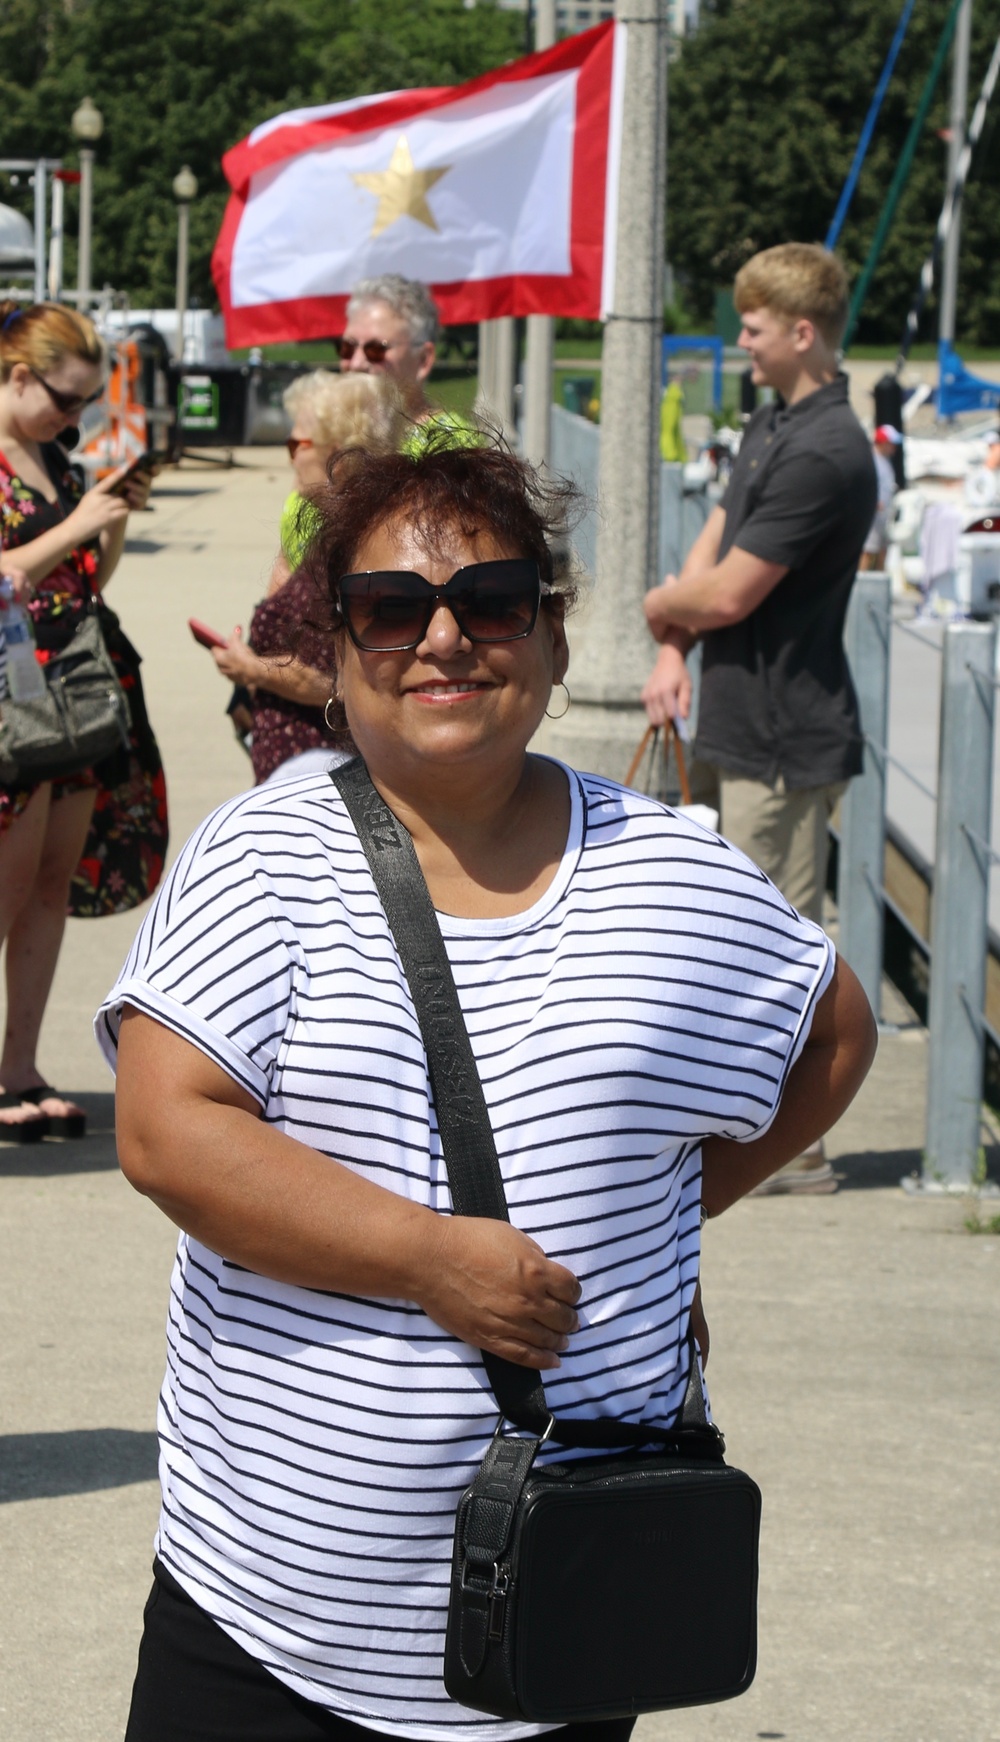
x=183 y=84
x=773 y=98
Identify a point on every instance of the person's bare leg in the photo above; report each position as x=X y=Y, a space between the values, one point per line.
x=20 y=857
x=33 y=944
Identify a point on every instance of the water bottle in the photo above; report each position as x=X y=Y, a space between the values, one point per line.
x=25 y=678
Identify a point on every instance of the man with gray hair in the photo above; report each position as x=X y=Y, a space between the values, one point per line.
x=392 y=328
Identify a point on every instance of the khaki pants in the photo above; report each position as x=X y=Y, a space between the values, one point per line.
x=785 y=833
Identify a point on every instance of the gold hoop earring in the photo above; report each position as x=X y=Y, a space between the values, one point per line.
x=565 y=711
x=334 y=702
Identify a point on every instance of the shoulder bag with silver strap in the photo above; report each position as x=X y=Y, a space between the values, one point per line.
x=79 y=719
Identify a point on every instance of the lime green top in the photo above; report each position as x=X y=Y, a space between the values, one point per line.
x=461 y=433
x=672 y=443
x=299 y=520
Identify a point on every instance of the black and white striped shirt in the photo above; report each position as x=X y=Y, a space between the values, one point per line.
x=314 y=1445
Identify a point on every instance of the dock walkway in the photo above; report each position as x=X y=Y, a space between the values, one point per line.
x=854 y=1363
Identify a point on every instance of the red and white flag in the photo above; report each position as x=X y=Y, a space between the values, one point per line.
x=498 y=194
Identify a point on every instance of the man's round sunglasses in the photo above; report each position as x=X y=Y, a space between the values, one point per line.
x=390 y=610
x=375 y=350
x=68 y=403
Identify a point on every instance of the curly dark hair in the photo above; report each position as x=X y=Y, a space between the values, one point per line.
x=481 y=489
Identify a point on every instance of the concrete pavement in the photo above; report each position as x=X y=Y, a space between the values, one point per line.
x=854 y=1362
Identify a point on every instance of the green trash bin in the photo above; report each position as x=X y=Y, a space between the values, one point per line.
x=577 y=392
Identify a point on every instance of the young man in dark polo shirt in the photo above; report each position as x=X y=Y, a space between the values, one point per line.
x=765 y=589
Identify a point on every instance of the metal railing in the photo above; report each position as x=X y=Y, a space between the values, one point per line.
x=963 y=860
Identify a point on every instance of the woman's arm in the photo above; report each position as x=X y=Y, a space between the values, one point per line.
x=831 y=1068
x=280 y=573
x=192 y=1140
x=282 y=676
x=100 y=514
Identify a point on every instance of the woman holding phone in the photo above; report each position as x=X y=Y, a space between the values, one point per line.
x=68 y=542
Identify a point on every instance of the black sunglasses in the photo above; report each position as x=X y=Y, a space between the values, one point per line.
x=68 y=403
x=374 y=349
x=389 y=610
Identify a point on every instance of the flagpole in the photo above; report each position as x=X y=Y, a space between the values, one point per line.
x=537 y=426
x=612 y=651
x=956 y=140
x=485 y=386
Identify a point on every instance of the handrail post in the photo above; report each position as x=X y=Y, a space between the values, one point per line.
x=860 y=901
x=959 y=915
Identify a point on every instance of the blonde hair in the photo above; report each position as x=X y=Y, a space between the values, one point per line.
x=800 y=281
x=350 y=411
x=43 y=334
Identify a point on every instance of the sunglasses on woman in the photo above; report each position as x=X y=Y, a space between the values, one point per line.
x=390 y=610
x=69 y=404
x=375 y=350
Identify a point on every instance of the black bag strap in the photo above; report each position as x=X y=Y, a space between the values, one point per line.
x=463 y=1117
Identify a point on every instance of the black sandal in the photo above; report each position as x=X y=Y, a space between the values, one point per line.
x=59 y=1124
x=26 y=1130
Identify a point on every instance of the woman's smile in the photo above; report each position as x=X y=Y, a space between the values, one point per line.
x=440 y=690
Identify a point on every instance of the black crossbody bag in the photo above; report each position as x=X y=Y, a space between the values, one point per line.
x=602 y=1587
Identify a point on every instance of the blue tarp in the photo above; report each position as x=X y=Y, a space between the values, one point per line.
x=958 y=390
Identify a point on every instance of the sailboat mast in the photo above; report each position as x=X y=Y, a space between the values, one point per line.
x=956 y=140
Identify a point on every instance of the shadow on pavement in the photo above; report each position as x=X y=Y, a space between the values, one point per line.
x=79 y=1461
x=94 y=1153
x=870 y=1169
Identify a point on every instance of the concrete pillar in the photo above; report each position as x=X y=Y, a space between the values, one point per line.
x=536 y=430
x=506 y=374
x=484 y=387
x=497 y=366
x=612 y=650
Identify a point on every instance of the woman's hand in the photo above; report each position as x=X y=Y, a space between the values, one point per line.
x=193 y=1140
x=238 y=662
x=493 y=1287
x=96 y=512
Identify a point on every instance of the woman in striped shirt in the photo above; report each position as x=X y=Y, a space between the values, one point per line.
x=656 y=1031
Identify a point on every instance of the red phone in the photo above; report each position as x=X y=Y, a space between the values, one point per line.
x=205 y=636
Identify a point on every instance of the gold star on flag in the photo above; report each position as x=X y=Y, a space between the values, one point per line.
x=402 y=190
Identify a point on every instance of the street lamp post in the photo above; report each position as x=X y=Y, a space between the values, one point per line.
x=185 y=188
x=87 y=125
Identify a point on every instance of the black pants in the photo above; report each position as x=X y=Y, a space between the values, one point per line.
x=195 y=1684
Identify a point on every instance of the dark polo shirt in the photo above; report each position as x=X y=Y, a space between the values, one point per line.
x=776 y=691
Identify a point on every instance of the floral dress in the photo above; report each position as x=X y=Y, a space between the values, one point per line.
x=123 y=857
x=290 y=623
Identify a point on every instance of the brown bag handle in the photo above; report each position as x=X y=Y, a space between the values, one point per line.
x=651 y=733
x=633 y=767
